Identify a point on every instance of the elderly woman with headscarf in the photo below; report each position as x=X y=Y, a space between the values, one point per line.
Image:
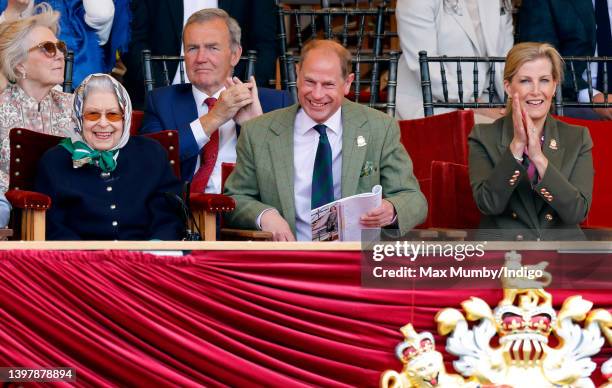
x=104 y=184
x=32 y=59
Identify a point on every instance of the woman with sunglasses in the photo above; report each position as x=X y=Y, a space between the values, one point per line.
x=104 y=184
x=32 y=59
x=15 y=9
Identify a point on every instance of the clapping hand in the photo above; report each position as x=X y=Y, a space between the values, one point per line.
x=527 y=137
x=251 y=110
x=235 y=97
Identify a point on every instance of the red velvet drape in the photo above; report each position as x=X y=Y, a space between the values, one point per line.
x=241 y=318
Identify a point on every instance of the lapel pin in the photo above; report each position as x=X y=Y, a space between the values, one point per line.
x=361 y=141
x=553 y=144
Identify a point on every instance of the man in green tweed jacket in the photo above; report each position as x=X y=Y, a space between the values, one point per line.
x=273 y=181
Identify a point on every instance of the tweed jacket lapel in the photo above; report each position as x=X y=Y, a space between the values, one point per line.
x=553 y=149
x=281 y=155
x=353 y=155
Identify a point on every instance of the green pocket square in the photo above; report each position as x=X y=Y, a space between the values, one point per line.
x=368 y=168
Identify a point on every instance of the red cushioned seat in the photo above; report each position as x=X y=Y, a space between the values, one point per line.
x=441 y=137
x=600 y=214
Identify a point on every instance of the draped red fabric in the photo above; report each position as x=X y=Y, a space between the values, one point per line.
x=239 y=318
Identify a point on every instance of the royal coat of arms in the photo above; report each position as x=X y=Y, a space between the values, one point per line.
x=523 y=322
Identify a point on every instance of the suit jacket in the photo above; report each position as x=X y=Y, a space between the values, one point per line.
x=429 y=26
x=157 y=25
x=568 y=25
x=263 y=176
x=83 y=208
x=560 y=200
x=173 y=107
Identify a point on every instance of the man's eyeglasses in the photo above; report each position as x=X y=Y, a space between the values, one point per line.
x=110 y=116
x=50 y=49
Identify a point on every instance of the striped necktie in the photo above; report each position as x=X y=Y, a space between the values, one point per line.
x=322 y=175
x=208 y=157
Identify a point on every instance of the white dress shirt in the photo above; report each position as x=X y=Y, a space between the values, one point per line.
x=189 y=8
x=227 y=140
x=583 y=95
x=305 y=143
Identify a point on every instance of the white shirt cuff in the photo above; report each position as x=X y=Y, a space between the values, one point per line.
x=583 y=95
x=394 y=220
x=199 y=134
x=258 y=221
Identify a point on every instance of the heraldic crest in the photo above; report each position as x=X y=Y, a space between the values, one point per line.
x=523 y=322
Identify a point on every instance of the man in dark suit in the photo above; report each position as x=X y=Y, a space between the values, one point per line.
x=157 y=25
x=208 y=112
x=571 y=26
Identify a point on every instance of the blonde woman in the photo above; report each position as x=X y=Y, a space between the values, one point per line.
x=530 y=172
x=32 y=59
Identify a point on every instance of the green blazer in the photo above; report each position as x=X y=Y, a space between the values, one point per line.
x=263 y=176
x=554 y=207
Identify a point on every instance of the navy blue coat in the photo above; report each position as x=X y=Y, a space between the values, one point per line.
x=128 y=204
x=173 y=107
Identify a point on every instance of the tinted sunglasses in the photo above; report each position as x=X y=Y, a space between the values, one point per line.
x=110 y=116
x=50 y=49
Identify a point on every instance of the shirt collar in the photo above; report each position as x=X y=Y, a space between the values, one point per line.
x=303 y=122
x=200 y=96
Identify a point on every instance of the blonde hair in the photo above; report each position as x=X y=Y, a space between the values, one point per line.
x=525 y=52
x=14 y=33
x=332 y=46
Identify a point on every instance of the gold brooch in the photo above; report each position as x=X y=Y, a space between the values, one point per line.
x=553 y=144
x=81 y=162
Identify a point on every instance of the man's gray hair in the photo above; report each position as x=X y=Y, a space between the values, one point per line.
x=207 y=14
x=13 y=34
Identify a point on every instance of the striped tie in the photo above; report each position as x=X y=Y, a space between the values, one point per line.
x=322 y=176
x=208 y=157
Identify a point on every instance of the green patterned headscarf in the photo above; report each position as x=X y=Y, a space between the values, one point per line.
x=83 y=153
